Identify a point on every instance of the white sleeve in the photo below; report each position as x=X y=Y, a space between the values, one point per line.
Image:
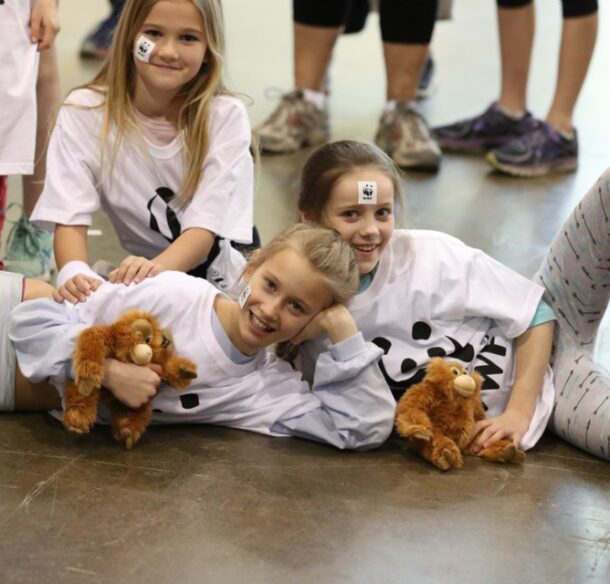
x=224 y=200
x=75 y=267
x=497 y=292
x=70 y=195
x=357 y=410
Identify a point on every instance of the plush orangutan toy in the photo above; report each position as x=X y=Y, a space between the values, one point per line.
x=437 y=417
x=135 y=337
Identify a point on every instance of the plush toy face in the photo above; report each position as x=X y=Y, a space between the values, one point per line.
x=453 y=377
x=141 y=353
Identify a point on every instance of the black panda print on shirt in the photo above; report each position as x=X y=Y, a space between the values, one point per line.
x=465 y=353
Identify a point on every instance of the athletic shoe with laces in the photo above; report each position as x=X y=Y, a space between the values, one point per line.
x=541 y=151
x=97 y=43
x=491 y=129
x=294 y=124
x=29 y=250
x=404 y=135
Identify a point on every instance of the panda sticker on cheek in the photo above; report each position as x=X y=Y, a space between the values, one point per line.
x=243 y=297
x=143 y=49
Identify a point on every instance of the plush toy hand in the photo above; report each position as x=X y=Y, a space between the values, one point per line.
x=77 y=288
x=44 y=23
x=512 y=425
x=134 y=269
x=133 y=385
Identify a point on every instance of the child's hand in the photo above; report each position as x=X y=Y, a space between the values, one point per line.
x=134 y=269
x=133 y=385
x=336 y=322
x=512 y=424
x=44 y=23
x=77 y=288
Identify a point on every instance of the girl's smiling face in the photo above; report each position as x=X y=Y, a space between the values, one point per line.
x=286 y=293
x=177 y=29
x=366 y=227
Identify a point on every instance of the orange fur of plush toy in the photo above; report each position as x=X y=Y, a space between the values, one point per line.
x=126 y=340
x=437 y=416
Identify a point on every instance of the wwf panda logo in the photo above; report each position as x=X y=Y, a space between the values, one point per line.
x=368 y=191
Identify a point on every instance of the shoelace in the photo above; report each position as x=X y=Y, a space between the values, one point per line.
x=415 y=121
x=536 y=138
x=289 y=101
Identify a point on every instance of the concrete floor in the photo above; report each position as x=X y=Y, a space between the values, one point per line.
x=205 y=504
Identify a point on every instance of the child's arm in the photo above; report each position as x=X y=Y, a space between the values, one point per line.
x=532 y=354
x=70 y=246
x=356 y=406
x=188 y=251
x=44 y=23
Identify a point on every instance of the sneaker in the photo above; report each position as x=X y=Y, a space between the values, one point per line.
x=424 y=89
x=294 y=124
x=29 y=250
x=404 y=135
x=491 y=129
x=97 y=43
x=539 y=152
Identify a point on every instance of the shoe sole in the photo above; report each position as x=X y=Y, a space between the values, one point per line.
x=424 y=165
x=564 y=166
x=470 y=147
x=266 y=149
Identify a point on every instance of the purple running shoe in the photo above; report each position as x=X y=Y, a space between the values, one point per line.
x=488 y=130
x=541 y=151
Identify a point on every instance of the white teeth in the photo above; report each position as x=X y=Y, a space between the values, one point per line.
x=366 y=247
x=259 y=324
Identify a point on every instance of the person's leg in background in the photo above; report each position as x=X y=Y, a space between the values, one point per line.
x=96 y=43
x=552 y=146
x=519 y=144
x=301 y=118
x=406 y=32
x=29 y=248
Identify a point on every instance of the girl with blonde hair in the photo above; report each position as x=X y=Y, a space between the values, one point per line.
x=296 y=289
x=158 y=142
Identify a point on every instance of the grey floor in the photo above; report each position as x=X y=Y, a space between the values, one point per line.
x=205 y=504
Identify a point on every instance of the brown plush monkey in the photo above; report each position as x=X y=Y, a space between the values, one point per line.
x=136 y=337
x=437 y=417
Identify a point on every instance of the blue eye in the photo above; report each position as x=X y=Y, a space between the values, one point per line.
x=295 y=306
x=350 y=214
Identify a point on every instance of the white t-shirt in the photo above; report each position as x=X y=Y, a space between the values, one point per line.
x=349 y=405
x=433 y=296
x=18 y=74
x=138 y=195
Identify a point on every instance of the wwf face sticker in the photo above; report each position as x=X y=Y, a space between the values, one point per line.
x=143 y=49
x=243 y=297
x=367 y=192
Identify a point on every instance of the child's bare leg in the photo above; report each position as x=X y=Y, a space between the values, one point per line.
x=577 y=44
x=37 y=289
x=34 y=397
x=47 y=102
x=516 y=30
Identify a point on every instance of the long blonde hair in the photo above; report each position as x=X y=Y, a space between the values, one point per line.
x=116 y=81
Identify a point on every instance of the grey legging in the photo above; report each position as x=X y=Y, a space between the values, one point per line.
x=576 y=275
